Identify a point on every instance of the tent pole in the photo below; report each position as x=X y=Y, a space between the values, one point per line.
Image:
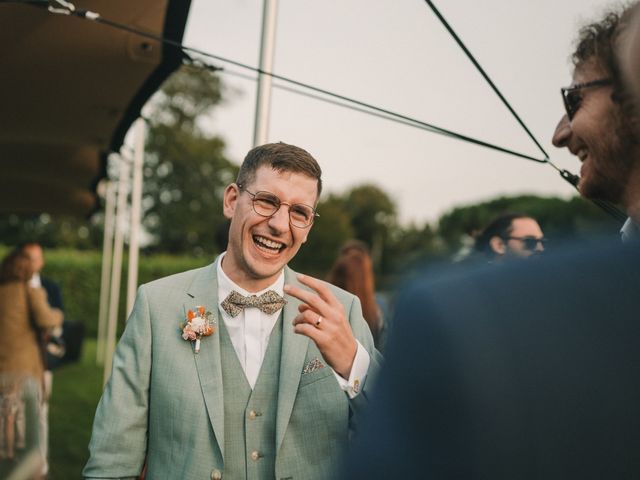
x=136 y=201
x=116 y=272
x=267 y=49
x=107 y=253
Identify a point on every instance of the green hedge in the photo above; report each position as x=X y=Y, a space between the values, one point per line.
x=79 y=272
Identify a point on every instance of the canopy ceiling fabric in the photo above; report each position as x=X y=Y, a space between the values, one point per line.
x=69 y=91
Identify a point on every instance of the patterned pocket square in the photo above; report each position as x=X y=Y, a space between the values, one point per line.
x=312 y=366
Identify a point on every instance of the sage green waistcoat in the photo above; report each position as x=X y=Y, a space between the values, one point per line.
x=250 y=416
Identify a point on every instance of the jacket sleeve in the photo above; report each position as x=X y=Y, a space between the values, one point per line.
x=363 y=335
x=43 y=315
x=120 y=428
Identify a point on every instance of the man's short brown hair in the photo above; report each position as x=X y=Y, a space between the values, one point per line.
x=281 y=157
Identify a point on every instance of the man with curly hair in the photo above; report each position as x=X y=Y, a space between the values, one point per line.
x=600 y=123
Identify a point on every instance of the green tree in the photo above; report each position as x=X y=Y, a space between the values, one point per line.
x=329 y=232
x=185 y=168
x=52 y=230
x=372 y=212
x=373 y=218
x=409 y=247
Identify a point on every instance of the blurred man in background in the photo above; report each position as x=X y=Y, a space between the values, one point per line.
x=509 y=236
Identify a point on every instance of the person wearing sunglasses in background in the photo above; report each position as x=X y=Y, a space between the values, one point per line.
x=511 y=235
x=600 y=125
x=272 y=387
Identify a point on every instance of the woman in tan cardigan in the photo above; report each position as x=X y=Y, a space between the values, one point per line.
x=24 y=315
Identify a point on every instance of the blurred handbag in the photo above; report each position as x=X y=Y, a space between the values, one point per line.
x=66 y=347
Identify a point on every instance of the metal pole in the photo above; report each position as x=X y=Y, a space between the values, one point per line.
x=136 y=200
x=107 y=253
x=267 y=49
x=116 y=272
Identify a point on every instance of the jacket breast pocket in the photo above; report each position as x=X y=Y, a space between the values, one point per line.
x=315 y=376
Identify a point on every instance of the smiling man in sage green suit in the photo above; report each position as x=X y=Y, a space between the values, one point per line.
x=274 y=392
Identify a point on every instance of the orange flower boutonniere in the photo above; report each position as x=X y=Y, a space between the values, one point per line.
x=199 y=323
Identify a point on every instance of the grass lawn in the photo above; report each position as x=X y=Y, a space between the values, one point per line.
x=76 y=391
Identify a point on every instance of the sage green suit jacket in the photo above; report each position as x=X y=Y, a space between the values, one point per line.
x=164 y=403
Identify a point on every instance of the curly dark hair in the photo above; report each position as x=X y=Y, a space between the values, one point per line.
x=597 y=42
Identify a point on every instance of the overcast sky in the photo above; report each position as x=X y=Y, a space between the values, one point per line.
x=396 y=54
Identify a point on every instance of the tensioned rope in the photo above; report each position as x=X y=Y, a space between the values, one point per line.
x=476 y=64
x=609 y=208
x=67 y=8
x=362 y=108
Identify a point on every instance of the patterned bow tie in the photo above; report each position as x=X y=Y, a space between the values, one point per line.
x=269 y=302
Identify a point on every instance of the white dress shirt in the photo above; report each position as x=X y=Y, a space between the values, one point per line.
x=630 y=231
x=35 y=281
x=250 y=331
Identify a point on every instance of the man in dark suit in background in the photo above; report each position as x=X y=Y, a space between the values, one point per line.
x=35 y=253
x=529 y=371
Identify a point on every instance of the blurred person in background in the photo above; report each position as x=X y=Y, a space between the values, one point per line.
x=51 y=340
x=54 y=295
x=353 y=272
x=527 y=371
x=24 y=313
x=509 y=236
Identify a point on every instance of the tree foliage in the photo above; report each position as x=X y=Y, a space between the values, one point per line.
x=52 y=231
x=185 y=168
x=330 y=230
x=372 y=212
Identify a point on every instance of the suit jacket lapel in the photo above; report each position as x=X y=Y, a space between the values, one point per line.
x=294 y=350
x=204 y=291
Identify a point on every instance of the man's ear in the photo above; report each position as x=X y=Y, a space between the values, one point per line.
x=497 y=245
x=230 y=200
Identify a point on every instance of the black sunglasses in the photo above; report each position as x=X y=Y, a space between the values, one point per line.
x=572 y=97
x=530 y=243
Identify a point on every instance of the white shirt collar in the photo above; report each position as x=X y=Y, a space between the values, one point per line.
x=36 y=280
x=630 y=231
x=250 y=330
x=226 y=285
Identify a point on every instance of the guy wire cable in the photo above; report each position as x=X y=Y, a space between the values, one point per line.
x=565 y=174
x=232 y=73
x=67 y=8
x=484 y=74
x=365 y=108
